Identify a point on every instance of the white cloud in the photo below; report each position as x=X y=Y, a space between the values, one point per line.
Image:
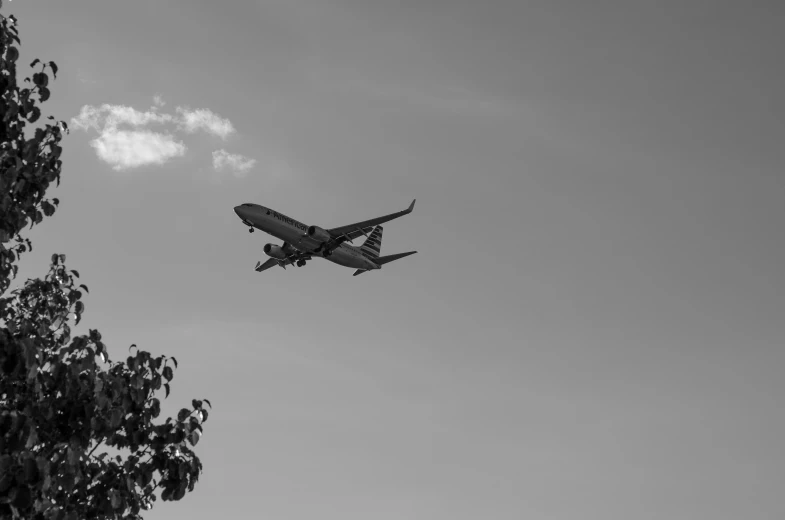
x=203 y=119
x=113 y=116
x=88 y=118
x=118 y=115
x=238 y=164
x=124 y=149
x=124 y=140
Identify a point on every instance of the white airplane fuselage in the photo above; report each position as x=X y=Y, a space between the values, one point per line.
x=294 y=233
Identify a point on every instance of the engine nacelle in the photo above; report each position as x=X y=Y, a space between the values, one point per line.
x=274 y=251
x=318 y=234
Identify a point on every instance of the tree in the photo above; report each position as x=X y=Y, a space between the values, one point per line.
x=63 y=403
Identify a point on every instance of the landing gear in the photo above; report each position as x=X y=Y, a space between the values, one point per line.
x=250 y=230
x=300 y=263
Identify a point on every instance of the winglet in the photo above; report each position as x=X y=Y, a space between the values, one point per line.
x=411 y=206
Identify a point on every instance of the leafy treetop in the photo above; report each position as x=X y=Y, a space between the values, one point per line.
x=29 y=161
x=61 y=397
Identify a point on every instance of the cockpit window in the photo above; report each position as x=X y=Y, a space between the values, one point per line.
x=248 y=205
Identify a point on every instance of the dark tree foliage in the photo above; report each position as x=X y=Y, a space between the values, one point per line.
x=29 y=164
x=64 y=405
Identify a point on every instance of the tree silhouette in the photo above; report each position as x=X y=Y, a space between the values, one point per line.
x=78 y=431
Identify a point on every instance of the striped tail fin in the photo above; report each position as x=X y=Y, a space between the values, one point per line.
x=373 y=244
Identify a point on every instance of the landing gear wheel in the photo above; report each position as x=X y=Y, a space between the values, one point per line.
x=300 y=263
x=250 y=230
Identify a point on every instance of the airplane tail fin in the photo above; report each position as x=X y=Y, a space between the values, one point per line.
x=373 y=244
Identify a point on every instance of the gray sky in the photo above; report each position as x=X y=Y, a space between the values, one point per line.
x=593 y=327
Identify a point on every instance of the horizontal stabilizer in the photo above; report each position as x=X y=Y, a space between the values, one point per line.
x=264 y=266
x=389 y=258
x=359 y=271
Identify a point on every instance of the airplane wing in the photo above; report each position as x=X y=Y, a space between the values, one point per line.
x=291 y=259
x=352 y=231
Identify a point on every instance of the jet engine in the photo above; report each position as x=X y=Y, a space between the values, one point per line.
x=318 y=234
x=274 y=251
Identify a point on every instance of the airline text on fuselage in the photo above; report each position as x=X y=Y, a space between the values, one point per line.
x=291 y=222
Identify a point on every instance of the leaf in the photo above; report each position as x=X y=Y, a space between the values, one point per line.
x=5 y=482
x=54 y=259
x=32 y=439
x=34 y=114
x=12 y=54
x=44 y=93
x=67 y=481
x=204 y=414
x=115 y=498
x=193 y=438
x=117 y=417
x=196 y=404
x=83 y=286
x=53 y=65
x=73 y=457
x=168 y=374
x=74 y=272
x=41 y=79
x=49 y=210
x=35 y=61
x=155 y=407
x=183 y=414
x=166 y=386
x=23 y=497
x=5 y=464
x=62 y=258
x=175 y=361
x=208 y=403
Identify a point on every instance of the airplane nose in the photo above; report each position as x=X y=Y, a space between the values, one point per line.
x=238 y=209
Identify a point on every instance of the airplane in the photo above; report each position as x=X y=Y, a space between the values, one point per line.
x=302 y=243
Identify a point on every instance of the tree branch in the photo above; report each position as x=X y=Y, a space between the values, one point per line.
x=95 y=447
